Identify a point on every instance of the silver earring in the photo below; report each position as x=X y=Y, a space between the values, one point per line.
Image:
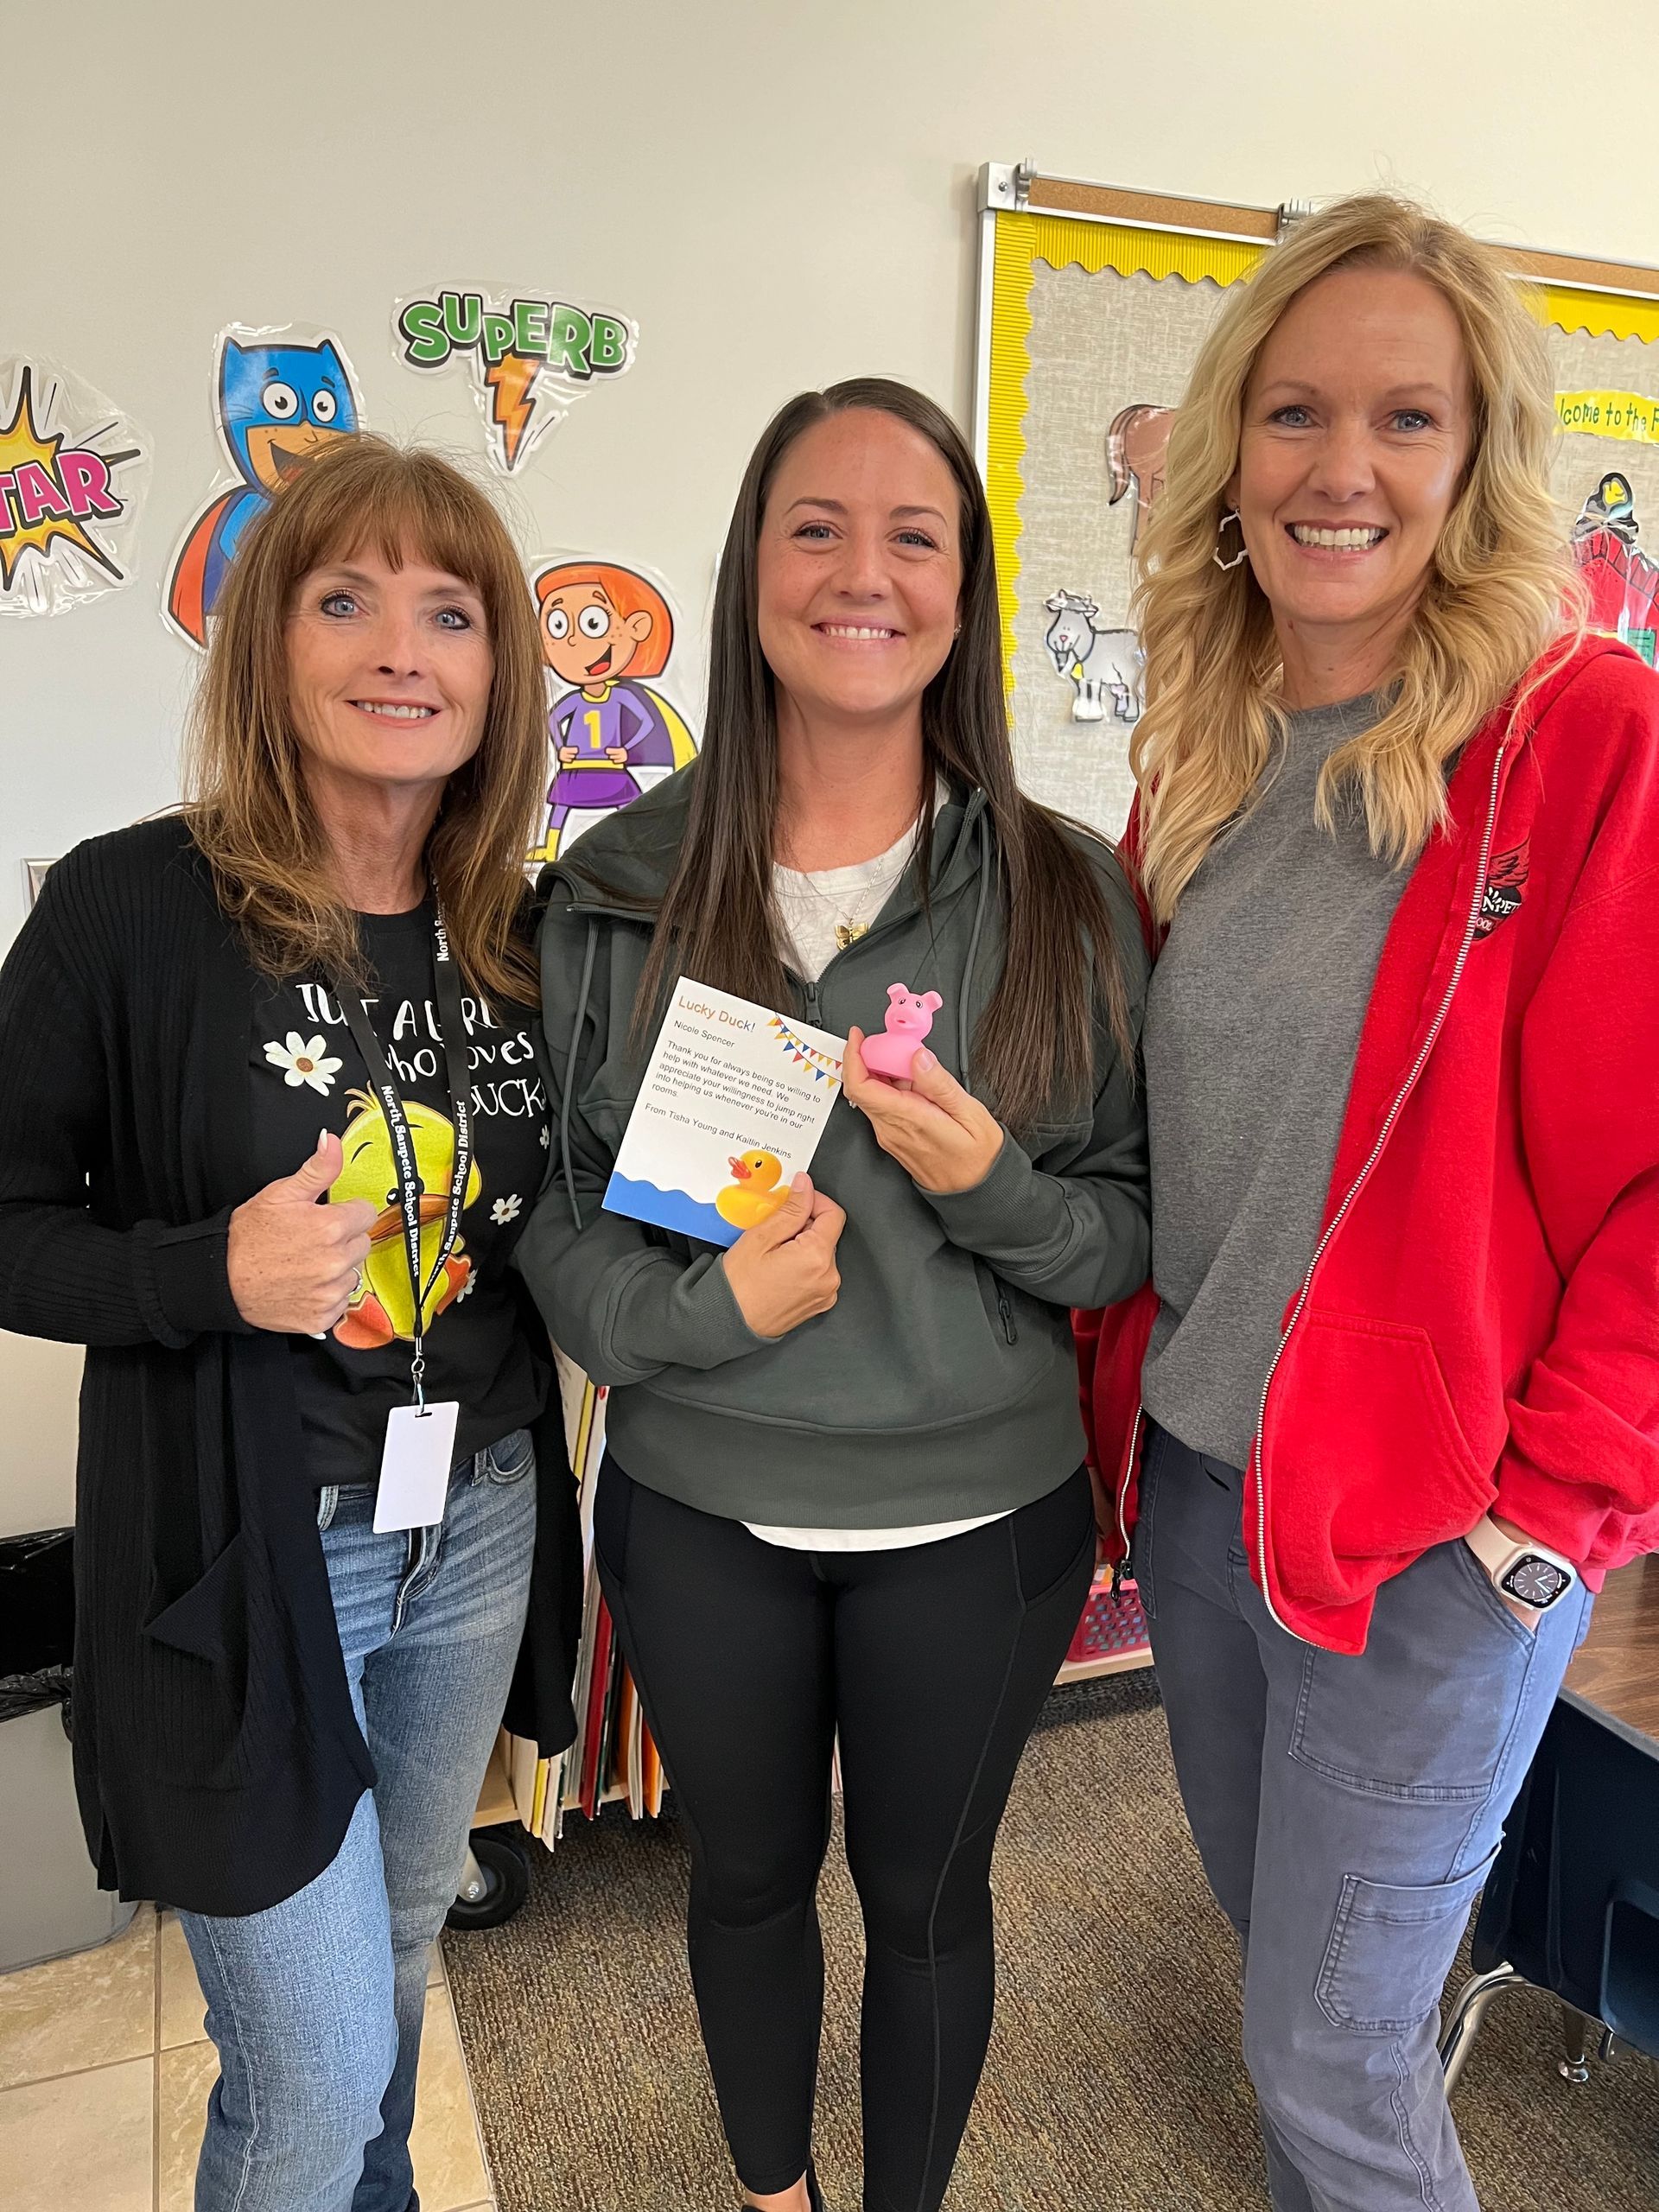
x=1243 y=551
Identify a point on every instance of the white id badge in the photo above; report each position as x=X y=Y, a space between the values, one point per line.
x=414 y=1466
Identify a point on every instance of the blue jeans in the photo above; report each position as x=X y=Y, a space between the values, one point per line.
x=1346 y=1810
x=317 y=2004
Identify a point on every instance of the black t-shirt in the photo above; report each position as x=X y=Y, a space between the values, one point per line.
x=307 y=1074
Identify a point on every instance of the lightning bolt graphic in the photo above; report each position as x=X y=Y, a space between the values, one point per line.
x=510 y=380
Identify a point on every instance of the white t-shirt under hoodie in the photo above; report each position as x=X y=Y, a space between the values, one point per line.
x=812 y=906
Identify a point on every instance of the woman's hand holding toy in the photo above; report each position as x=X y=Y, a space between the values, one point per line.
x=939 y=1132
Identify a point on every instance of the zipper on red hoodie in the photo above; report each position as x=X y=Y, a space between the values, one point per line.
x=1390 y=1123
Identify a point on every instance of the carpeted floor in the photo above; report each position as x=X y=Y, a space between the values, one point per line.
x=1114 y=2079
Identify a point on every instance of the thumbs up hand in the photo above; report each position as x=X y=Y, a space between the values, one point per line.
x=294 y=1261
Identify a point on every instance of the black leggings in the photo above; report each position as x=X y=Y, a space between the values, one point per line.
x=932 y=1663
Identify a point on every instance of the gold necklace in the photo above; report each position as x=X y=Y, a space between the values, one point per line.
x=851 y=920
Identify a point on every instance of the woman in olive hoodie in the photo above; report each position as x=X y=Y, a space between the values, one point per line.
x=844 y=1492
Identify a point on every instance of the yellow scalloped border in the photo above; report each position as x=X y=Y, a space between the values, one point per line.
x=1597 y=315
x=1005 y=410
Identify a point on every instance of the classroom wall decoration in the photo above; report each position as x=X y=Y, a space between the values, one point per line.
x=1609 y=474
x=72 y=476
x=1093 y=304
x=529 y=358
x=281 y=396
x=607 y=638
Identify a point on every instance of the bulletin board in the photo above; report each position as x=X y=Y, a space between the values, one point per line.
x=1093 y=301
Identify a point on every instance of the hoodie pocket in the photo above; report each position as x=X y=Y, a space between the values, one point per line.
x=999 y=1306
x=1386 y=1470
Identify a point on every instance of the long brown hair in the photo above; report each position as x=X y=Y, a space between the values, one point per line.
x=1035 y=1045
x=249 y=807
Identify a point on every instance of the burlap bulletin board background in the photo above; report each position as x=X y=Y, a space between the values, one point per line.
x=1095 y=324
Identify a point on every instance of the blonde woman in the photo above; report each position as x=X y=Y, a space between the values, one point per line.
x=256 y=1056
x=1390 y=1408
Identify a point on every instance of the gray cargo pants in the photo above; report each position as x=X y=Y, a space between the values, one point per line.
x=1346 y=1810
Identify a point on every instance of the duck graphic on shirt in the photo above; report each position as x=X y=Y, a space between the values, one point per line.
x=382 y=1307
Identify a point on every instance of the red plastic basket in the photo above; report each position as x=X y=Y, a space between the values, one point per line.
x=1110 y=1625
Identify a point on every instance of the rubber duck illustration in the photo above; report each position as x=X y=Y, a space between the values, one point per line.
x=382 y=1307
x=755 y=1196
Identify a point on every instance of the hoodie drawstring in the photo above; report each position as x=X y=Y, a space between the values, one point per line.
x=588 y=952
x=964 y=996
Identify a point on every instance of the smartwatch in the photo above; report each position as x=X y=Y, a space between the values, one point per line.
x=1530 y=1574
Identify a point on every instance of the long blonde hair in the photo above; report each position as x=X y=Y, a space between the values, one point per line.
x=248 y=805
x=1500 y=587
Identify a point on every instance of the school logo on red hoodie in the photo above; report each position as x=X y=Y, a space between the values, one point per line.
x=1506 y=885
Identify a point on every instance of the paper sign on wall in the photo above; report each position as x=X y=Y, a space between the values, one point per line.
x=72 y=476
x=529 y=358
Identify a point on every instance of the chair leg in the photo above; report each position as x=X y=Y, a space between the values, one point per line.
x=1468 y=2011
x=1573 y=2066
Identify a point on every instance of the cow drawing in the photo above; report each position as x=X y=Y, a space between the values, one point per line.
x=1137 y=443
x=1101 y=663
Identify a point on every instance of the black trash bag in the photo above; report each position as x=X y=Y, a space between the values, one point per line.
x=22 y=1693
x=37 y=1621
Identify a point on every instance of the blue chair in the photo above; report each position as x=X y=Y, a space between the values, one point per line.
x=1572 y=1902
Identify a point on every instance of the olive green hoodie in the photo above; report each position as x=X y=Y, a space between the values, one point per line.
x=942 y=1384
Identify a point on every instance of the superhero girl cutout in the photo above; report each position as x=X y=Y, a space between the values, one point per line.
x=276 y=404
x=605 y=630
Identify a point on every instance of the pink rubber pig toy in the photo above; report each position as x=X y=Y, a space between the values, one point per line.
x=908 y=1020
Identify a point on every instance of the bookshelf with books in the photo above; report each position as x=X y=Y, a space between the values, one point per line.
x=615 y=1758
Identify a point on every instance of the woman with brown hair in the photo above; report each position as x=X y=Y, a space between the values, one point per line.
x=843 y=1494
x=312 y=1431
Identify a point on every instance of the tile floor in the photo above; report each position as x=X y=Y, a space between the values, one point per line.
x=105 y=2072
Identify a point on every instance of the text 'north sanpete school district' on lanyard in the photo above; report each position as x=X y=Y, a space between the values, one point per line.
x=420 y=1437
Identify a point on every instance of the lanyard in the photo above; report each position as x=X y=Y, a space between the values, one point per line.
x=411 y=1190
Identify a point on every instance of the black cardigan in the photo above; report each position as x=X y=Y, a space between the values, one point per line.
x=216 y=1757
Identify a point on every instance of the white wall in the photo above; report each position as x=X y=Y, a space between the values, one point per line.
x=780 y=195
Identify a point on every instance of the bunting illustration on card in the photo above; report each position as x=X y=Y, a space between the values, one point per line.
x=281 y=396
x=824 y=1066
x=530 y=358
x=72 y=476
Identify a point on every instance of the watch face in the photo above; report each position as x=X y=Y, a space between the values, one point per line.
x=1536 y=1581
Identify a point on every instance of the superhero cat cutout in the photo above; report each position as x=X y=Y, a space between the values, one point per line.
x=278 y=402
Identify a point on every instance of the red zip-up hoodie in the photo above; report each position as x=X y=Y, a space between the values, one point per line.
x=1478 y=1325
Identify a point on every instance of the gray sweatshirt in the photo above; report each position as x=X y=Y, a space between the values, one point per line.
x=1252 y=1026
x=942 y=1384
